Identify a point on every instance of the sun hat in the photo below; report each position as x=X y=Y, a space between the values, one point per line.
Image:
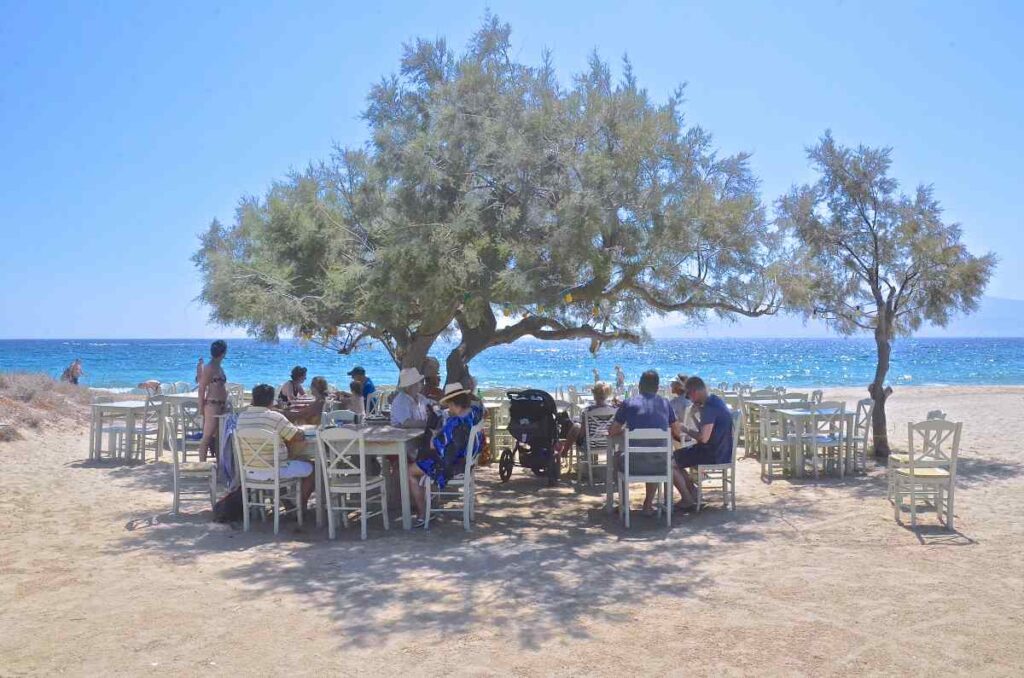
x=356 y=371
x=451 y=390
x=408 y=377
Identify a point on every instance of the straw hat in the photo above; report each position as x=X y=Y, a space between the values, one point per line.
x=451 y=390
x=408 y=377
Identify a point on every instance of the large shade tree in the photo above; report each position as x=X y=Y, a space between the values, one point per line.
x=492 y=203
x=871 y=259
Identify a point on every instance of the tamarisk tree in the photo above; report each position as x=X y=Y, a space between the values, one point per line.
x=871 y=259
x=490 y=204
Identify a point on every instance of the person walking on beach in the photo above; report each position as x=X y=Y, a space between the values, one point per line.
x=213 y=396
x=73 y=372
x=597 y=376
x=620 y=380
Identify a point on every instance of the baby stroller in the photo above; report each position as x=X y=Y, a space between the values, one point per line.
x=534 y=423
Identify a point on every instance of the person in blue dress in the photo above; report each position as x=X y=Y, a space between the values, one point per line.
x=445 y=456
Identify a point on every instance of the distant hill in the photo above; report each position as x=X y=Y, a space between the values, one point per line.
x=995 y=317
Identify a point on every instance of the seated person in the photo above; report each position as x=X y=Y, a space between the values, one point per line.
x=713 y=435
x=679 y=402
x=356 y=402
x=646 y=410
x=309 y=413
x=577 y=436
x=445 y=457
x=260 y=416
x=409 y=409
x=292 y=389
x=366 y=387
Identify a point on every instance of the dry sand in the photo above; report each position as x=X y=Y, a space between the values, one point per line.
x=97 y=578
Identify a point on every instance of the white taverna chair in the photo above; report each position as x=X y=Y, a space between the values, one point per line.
x=345 y=472
x=720 y=477
x=258 y=455
x=464 y=485
x=928 y=475
x=655 y=441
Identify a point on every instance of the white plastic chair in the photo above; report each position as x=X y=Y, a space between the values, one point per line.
x=595 y=427
x=930 y=470
x=721 y=474
x=654 y=442
x=259 y=454
x=464 y=485
x=344 y=472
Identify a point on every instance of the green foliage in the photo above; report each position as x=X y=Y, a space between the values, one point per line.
x=872 y=258
x=489 y=190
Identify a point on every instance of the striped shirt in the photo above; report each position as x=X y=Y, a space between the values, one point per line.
x=261 y=417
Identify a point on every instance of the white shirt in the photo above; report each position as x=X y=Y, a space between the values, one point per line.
x=404 y=408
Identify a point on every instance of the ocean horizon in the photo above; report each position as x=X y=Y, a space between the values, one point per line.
x=797 y=362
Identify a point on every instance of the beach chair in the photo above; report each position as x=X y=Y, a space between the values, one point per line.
x=595 y=427
x=933 y=442
x=861 y=435
x=345 y=471
x=929 y=474
x=720 y=477
x=259 y=454
x=647 y=441
x=462 y=487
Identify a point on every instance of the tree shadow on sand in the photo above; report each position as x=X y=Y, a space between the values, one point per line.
x=540 y=562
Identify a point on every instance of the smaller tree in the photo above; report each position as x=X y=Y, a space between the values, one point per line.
x=870 y=259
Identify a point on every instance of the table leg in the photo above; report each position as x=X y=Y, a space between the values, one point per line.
x=130 y=428
x=609 y=478
x=94 y=435
x=403 y=484
x=321 y=491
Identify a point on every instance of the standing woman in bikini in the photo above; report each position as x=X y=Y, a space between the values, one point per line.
x=213 y=395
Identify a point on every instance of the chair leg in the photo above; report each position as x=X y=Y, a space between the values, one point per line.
x=177 y=494
x=213 y=489
x=277 y=508
x=427 y=502
x=246 y=509
x=949 y=507
x=330 y=515
x=362 y=515
x=384 y=505
x=668 y=504
x=298 y=501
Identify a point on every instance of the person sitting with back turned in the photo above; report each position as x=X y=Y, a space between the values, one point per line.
x=602 y=391
x=646 y=410
x=409 y=408
x=713 y=436
x=260 y=416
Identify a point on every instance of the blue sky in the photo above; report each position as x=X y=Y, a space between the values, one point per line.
x=125 y=127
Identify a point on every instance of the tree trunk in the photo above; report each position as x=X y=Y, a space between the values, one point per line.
x=415 y=354
x=457 y=365
x=879 y=392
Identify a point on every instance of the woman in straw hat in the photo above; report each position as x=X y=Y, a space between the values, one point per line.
x=445 y=457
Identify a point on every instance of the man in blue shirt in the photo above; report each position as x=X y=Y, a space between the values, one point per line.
x=646 y=410
x=359 y=374
x=713 y=435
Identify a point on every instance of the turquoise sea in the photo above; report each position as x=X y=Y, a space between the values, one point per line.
x=123 y=363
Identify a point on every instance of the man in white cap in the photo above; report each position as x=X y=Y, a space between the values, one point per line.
x=409 y=408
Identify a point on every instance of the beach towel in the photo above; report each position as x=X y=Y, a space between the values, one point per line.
x=226 y=459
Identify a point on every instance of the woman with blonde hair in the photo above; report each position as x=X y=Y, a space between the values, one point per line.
x=602 y=392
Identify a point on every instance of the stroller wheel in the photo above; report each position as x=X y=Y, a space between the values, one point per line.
x=505 y=465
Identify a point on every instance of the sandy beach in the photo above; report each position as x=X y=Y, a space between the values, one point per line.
x=805 y=577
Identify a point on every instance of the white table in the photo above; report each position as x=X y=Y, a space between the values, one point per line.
x=801 y=417
x=381 y=441
x=126 y=408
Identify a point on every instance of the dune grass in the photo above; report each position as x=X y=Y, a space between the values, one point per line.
x=31 y=401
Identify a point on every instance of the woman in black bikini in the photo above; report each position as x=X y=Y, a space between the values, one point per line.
x=213 y=395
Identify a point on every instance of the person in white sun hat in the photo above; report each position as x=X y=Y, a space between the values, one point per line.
x=409 y=408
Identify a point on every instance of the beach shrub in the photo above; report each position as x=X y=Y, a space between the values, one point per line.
x=30 y=401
